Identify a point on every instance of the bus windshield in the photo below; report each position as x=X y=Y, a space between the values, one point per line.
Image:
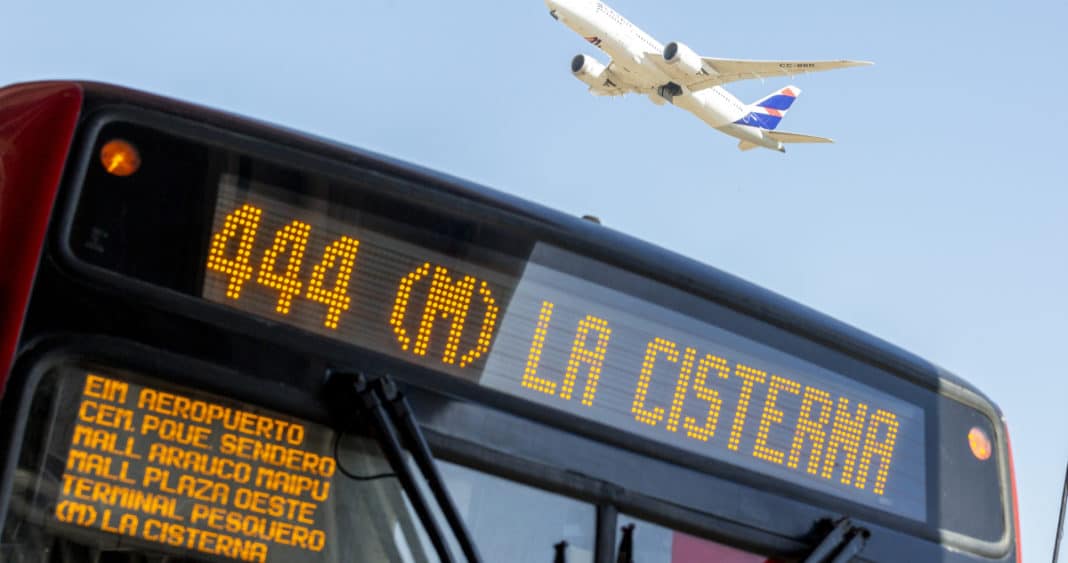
x=121 y=463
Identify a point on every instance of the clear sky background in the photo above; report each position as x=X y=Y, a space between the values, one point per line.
x=938 y=221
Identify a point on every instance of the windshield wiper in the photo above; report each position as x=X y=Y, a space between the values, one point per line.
x=386 y=407
x=844 y=542
x=625 y=553
x=560 y=552
x=424 y=459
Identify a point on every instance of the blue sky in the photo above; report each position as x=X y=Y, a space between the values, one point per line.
x=937 y=222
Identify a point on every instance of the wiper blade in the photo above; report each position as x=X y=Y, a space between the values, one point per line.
x=844 y=542
x=388 y=410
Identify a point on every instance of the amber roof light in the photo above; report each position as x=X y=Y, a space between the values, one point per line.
x=120 y=158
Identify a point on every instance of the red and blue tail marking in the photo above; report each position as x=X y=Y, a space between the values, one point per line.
x=768 y=112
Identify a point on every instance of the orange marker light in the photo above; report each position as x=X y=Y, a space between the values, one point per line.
x=120 y=158
x=980 y=444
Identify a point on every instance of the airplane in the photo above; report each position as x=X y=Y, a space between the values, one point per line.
x=676 y=74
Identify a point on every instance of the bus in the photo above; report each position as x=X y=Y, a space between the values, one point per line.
x=222 y=340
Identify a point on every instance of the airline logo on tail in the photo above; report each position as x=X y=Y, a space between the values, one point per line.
x=768 y=112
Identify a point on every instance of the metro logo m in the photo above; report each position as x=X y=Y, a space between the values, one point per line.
x=446 y=299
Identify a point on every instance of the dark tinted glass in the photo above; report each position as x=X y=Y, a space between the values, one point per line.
x=112 y=462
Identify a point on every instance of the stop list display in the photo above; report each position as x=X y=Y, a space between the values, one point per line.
x=188 y=471
x=566 y=343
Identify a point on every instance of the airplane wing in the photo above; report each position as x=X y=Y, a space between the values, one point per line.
x=613 y=85
x=722 y=71
x=733 y=70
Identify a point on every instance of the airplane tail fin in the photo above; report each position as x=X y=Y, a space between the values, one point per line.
x=767 y=112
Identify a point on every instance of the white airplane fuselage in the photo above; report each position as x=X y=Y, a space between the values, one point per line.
x=607 y=30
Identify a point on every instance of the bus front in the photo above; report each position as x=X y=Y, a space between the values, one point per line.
x=226 y=341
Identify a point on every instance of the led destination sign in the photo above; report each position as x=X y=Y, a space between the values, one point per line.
x=347 y=282
x=195 y=474
x=566 y=343
x=609 y=357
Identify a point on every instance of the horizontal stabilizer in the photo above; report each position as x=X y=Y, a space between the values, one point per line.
x=784 y=137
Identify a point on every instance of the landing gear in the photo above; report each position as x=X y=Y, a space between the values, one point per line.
x=669 y=91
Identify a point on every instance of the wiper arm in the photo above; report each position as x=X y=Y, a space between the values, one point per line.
x=845 y=541
x=560 y=552
x=392 y=417
x=357 y=387
x=402 y=412
x=625 y=554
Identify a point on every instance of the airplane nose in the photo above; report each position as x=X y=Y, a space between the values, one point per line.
x=563 y=9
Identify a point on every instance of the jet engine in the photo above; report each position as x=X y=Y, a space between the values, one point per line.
x=588 y=70
x=686 y=61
